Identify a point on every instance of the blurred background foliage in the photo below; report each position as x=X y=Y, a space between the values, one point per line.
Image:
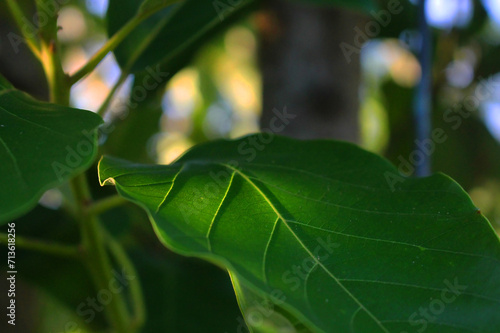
x=215 y=91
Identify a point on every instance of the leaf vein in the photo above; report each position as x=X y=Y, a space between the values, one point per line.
x=170 y=189
x=209 y=231
x=264 y=274
x=376 y=212
x=393 y=242
x=391 y=283
x=328 y=272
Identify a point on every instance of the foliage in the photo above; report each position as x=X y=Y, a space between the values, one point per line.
x=316 y=236
x=42 y=146
x=322 y=232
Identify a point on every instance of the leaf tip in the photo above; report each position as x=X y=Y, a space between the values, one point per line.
x=108 y=181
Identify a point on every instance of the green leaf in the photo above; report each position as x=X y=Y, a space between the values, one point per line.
x=173 y=34
x=41 y=145
x=352 y=246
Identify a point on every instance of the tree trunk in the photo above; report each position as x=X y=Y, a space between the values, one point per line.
x=304 y=69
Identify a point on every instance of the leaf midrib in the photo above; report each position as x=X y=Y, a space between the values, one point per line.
x=284 y=221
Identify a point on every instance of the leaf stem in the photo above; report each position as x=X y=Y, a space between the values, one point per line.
x=109 y=46
x=136 y=294
x=114 y=41
x=128 y=67
x=96 y=257
x=93 y=247
x=103 y=205
x=56 y=249
x=119 y=36
x=19 y=17
x=104 y=106
x=93 y=236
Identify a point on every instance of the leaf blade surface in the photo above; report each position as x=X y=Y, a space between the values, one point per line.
x=318 y=221
x=41 y=145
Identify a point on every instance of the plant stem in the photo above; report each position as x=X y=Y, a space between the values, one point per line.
x=47 y=29
x=19 y=17
x=109 y=46
x=62 y=250
x=93 y=235
x=116 y=39
x=135 y=286
x=128 y=67
x=96 y=257
x=59 y=87
x=94 y=251
x=104 y=106
x=101 y=206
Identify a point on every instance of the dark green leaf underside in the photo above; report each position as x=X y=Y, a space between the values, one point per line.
x=173 y=34
x=41 y=145
x=318 y=222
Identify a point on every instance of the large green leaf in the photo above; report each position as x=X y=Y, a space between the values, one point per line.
x=41 y=145
x=318 y=222
x=173 y=34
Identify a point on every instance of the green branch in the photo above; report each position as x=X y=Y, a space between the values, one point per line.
x=128 y=67
x=95 y=255
x=104 y=106
x=47 y=31
x=136 y=294
x=30 y=39
x=145 y=11
x=62 y=250
x=93 y=246
x=59 y=87
x=101 y=206
x=110 y=45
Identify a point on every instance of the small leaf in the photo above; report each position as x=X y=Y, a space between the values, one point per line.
x=351 y=245
x=41 y=145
